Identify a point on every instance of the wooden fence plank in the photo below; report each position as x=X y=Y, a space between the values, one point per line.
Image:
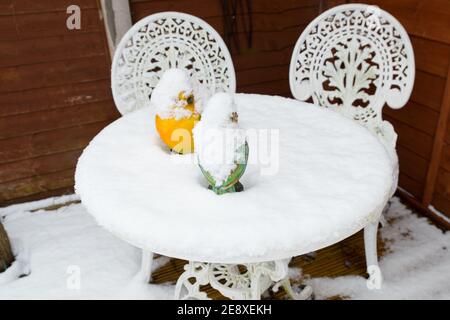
x=265 y=22
x=418 y=116
x=442 y=186
x=428 y=90
x=412 y=165
x=72 y=46
x=49 y=142
x=270 y=41
x=411 y=185
x=48 y=24
x=273 y=73
x=8 y=30
x=251 y=59
x=412 y=139
x=39 y=166
x=6 y=7
x=48 y=98
x=438 y=144
x=445 y=157
x=37 y=184
x=208 y=8
x=33 y=6
x=47 y=120
x=53 y=73
x=431 y=56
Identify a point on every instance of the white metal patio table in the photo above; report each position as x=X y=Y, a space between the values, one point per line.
x=329 y=177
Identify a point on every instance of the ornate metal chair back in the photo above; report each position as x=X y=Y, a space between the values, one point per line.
x=354 y=59
x=168 y=40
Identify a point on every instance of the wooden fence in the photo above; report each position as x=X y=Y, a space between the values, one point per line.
x=54 y=95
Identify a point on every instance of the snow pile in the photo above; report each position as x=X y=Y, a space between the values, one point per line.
x=68 y=256
x=219 y=110
x=165 y=97
x=218 y=139
x=34 y=205
x=416 y=265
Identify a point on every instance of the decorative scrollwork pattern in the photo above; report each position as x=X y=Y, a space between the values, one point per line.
x=168 y=40
x=243 y=282
x=354 y=59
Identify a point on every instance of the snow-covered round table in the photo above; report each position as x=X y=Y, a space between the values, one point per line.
x=323 y=179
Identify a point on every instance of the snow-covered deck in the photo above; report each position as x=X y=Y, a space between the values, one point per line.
x=68 y=256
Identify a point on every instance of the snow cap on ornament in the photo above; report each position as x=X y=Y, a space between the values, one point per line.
x=174 y=91
x=220 y=111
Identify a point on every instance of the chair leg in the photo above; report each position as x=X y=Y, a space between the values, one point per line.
x=146 y=265
x=370 y=243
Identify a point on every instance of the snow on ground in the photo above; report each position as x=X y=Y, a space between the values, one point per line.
x=68 y=256
x=416 y=266
x=58 y=246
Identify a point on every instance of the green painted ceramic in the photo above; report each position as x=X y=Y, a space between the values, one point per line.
x=232 y=183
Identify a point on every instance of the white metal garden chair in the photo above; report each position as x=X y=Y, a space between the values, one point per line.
x=159 y=42
x=354 y=59
x=168 y=40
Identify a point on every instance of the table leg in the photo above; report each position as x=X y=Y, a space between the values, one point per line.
x=146 y=265
x=243 y=282
x=370 y=245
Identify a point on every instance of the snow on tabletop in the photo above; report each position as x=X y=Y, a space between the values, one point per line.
x=217 y=138
x=53 y=244
x=165 y=96
x=330 y=178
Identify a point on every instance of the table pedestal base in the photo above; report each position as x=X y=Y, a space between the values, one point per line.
x=242 y=282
